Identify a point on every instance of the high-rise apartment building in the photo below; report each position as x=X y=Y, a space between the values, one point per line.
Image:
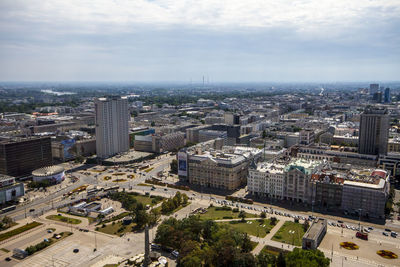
x=374 y=131
x=112 y=126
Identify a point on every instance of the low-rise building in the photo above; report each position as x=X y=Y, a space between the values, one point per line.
x=9 y=189
x=314 y=235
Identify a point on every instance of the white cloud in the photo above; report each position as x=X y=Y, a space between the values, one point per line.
x=305 y=16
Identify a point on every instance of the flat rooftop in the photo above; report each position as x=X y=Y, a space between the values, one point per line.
x=128 y=156
x=315 y=229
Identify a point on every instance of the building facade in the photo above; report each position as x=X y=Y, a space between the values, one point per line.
x=367 y=193
x=20 y=156
x=297 y=180
x=374 y=131
x=266 y=180
x=9 y=189
x=112 y=126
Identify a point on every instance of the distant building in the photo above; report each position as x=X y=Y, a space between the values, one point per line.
x=231 y=118
x=168 y=142
x=160 y=143
x=307 y=137
x=206 y=135
x=9 y=189
x=373 y=88
x=112 y=126
x=20 y=156
x=387 y=97
x=374 y=131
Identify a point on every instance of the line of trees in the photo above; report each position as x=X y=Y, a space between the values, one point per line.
x=171 y=204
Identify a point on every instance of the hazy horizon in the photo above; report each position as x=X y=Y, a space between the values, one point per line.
x=181 y=41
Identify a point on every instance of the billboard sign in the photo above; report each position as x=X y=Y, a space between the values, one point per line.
x=68 y=148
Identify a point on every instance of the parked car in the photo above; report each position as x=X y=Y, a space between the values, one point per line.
x=155 y=246
x=385 y=234
x=175 y=253
x=75 y=250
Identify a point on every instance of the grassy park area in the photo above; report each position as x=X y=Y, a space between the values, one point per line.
x=290 y=233
x=116 y=228
x=259 y=228
x=219 y=213
x=64 y=219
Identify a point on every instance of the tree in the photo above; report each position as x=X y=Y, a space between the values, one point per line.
x=265 y=259
x=273 y=220
x=300 y=257
x=264 y=134
x=244 y=260
x=242 y=215
x=153 y=124
x=246 y=244
x=263 y=215
x=281 y=262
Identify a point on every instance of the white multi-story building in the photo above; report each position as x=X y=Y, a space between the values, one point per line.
x=112 y=126
x=266 y=179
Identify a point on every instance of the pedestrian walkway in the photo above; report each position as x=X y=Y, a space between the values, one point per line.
x=267 y=240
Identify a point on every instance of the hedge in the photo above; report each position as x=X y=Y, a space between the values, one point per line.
x=19 y=230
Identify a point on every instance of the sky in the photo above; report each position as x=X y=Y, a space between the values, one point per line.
x=184 y=40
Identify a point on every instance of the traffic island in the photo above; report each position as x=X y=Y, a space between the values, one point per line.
x=387 y=254
x=349 y=245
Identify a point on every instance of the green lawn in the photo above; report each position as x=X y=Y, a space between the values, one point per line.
x=143 y=184
x=146 y=200
x=214 y=214
x=19 y=230
x=284 y=236
x=253 y=227
x=116 y=229
x=115 y=218
x=65 y=219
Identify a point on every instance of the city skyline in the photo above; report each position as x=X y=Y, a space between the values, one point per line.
x=184 y=40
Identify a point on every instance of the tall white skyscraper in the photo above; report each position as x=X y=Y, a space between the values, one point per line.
x=112 y=126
